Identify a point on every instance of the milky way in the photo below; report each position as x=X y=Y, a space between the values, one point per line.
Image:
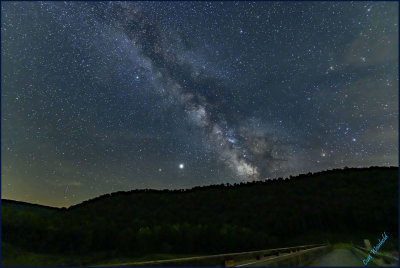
x=202 y=98
x=106 y=96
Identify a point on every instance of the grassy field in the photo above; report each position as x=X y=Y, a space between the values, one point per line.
x=12 y=256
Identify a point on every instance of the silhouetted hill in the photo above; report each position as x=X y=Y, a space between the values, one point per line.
x=25 y=206
x=337 y=205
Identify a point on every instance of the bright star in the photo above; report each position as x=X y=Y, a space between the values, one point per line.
x=181 y=166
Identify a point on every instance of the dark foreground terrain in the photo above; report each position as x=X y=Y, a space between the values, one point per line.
x=337 y=206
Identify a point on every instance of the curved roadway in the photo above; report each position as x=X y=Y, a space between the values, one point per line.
x=338 y=257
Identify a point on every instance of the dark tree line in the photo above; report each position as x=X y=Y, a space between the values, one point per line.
x=338 y=205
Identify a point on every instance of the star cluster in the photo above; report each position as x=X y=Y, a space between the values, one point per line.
x=105 y=96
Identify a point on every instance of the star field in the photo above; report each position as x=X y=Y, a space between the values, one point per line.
x=107 y=96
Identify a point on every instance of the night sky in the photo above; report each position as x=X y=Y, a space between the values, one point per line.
x=101 y=97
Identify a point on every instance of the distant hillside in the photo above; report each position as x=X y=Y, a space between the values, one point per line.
x=338 y=205
x=24 y=206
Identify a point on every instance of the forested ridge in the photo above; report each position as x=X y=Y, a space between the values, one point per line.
x=349 y=204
